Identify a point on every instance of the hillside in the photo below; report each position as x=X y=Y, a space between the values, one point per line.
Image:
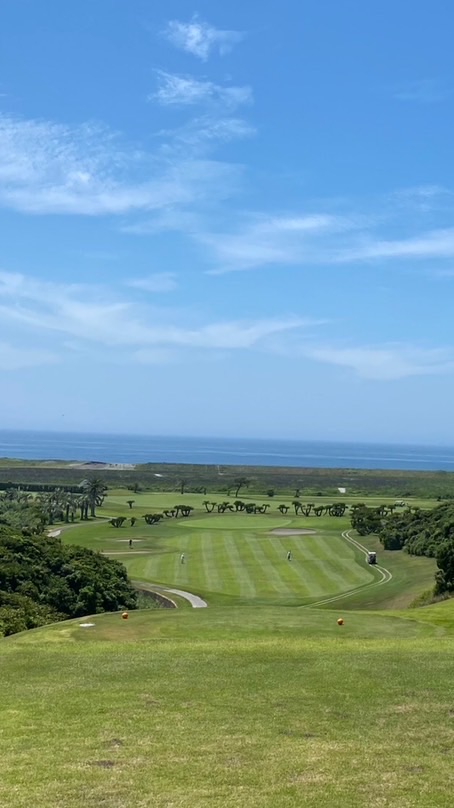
x=234 y=708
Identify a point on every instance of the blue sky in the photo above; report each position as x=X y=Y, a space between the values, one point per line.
x=228 y=219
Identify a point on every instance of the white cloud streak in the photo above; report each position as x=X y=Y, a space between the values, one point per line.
x=273 y=240
x=200 y=39
x=86 y=313
x=159 y=282
x=387 y=362
x=177 y=90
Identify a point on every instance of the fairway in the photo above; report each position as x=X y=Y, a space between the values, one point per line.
x=236 y=556
x=251 y=566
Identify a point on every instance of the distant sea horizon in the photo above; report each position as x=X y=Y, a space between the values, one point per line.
x=134 y=449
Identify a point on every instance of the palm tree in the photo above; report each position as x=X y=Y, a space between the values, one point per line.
x=95 y=490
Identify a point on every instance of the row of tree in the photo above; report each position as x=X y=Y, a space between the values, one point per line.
x=300 y=508
x=418 y=532
x=32 y=513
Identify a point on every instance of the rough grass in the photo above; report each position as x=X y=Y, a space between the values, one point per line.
x=255 y=707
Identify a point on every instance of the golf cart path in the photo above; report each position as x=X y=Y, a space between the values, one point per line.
x=194 y=600
x=385 y=576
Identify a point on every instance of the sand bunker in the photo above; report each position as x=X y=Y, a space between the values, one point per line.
x=290 y=532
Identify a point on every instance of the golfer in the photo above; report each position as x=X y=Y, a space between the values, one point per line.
x=182 y=558
x=289 y=556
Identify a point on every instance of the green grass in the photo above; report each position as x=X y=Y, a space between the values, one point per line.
x=245 y=704
x=234 y=564
x=239 y=707
x=235 y=557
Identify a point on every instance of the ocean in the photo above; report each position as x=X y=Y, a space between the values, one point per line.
x=221 y=451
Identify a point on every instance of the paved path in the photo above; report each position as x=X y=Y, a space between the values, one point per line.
x=194 y=600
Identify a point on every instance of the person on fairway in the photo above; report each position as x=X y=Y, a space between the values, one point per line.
x=289 y=556
x=182 y=558
x=130 y=543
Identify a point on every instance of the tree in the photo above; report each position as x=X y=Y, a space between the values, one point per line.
x=297 y=505
x=94 y=489
x=83 y=504
x=240 y=482
x=133 y=520
x=283 y=509
x=55 y=581
x=444 y=577
x=117 y=521
x=209 y=506
x=239 y=505
x=270 y=492
x=152 y=518
x=130 y=502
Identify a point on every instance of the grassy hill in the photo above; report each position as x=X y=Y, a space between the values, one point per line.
x=259 y=700
x=234 y=707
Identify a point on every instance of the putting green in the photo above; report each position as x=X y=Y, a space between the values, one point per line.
x=236 y=521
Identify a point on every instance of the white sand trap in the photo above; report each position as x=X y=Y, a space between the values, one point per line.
x=54 y=534
x=126 y=540
x=86 y=625
x=290 y=532
x=126 y=552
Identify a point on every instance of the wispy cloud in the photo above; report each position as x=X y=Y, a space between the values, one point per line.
x=326 y=238
x=178 y=90
x=96 y=315
x=16 y=358
x=423 y=91
x=159 y=282
x=432 y=244
x=48 y=168
x=386 y=362
x=272 y=240
x=199 y=38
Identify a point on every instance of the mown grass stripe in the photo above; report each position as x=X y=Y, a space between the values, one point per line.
x=345 y=564
x=275 y=581
x=213 y=582
x=245 y=582
x=303 y=577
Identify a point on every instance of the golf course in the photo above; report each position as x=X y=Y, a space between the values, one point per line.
x=300 y=675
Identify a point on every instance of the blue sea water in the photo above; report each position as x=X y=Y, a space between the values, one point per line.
x=221 y=451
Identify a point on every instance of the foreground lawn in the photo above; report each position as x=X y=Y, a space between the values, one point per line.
x=230 y=707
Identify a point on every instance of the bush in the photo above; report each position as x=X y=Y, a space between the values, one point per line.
x=43 y=580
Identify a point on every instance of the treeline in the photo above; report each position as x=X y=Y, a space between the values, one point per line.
x=418 y=532
x=44 y=581
x=39 y=488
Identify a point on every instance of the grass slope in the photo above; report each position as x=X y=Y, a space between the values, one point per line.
x=239 y=707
